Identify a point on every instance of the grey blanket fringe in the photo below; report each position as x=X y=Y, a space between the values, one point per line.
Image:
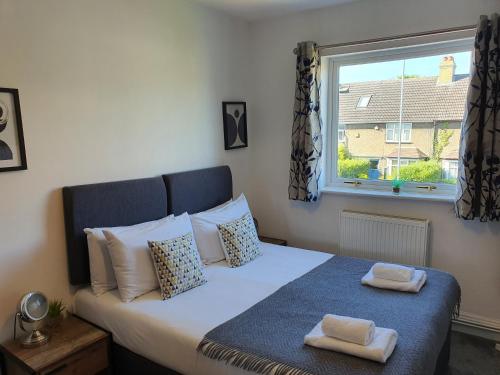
x=246 y=361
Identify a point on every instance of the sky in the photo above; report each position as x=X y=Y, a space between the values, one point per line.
x=422 y=66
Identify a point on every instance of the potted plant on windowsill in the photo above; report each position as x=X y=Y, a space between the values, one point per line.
x=396 y=186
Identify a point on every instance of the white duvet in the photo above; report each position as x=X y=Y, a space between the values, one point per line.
x=168 y=332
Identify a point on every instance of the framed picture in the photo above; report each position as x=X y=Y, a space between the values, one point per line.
x=12 y=152
x=234 y=115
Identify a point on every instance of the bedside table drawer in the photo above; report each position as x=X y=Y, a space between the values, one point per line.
x=89 y=361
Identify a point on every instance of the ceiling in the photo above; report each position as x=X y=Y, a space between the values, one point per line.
x=253 y=10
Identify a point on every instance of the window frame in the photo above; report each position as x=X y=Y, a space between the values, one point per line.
x=330 y=88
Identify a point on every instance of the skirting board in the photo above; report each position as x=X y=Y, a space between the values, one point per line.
x=477 y=325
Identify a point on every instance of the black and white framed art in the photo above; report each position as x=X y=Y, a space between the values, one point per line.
x=12 y=152
x=234 y=116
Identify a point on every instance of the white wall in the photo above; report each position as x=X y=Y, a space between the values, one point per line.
x=109 y=90
x=471 y=251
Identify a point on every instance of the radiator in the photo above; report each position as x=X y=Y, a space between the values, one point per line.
x=384 y=238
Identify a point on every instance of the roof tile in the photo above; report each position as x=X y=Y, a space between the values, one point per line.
x=424 y=100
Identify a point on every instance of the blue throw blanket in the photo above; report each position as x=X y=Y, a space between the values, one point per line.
x=268 y=338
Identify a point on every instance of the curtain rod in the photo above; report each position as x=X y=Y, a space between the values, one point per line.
x=397 y=37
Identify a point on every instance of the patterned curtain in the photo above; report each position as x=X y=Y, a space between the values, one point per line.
x=307 y=141
x=478 y=192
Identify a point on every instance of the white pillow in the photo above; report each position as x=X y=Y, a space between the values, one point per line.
x=130 y=255
x=205 y=228
x=102 y=276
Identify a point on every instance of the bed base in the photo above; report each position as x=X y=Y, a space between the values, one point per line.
x=126 y=362
x=444 y=356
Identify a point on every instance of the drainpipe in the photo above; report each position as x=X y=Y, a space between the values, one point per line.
x=401 y=94
x=434 y=137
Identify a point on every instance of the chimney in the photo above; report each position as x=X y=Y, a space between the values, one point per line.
x=446 y=70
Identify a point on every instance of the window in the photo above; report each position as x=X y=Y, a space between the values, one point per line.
x=450 y=169
x=363 y=101
x=392 y=132
x=393 y=165
x=416 y=97
x=341 y=133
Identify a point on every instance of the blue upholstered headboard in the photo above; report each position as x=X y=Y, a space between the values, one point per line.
x=131 y=202
x=107 y=205
x=199 y=190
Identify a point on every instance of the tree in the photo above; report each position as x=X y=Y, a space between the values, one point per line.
x=441 y=140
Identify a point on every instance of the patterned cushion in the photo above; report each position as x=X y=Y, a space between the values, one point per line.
x=240 y=240
x=177 y=264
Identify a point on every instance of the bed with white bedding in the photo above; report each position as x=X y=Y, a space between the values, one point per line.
x=156 y=336
x=168 y=332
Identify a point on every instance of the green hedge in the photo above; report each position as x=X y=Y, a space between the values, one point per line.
x=353 y=168
x=343 y=152
x=421 y=171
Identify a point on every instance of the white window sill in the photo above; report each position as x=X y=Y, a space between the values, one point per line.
x=376 y=193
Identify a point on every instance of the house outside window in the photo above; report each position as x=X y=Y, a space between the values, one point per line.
x=414 y=104
x=392 y=132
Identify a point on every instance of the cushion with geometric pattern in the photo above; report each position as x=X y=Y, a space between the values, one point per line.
x=240 y=240
x=178 y=265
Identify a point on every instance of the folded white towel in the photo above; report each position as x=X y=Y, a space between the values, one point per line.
x=357 y=331
x=414 y=285
x=393 y=272
x=378 y=350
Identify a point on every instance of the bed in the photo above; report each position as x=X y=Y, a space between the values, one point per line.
x=161 y=337
x=169 y=331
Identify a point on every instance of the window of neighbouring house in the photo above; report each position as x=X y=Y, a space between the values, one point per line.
x=393 y=165
x=450 y=169
x=414 y=98
x=341 y=133
x=392 y=132
x=363 y=101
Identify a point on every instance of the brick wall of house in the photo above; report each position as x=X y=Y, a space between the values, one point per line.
x=369 y=140
x=366 y=141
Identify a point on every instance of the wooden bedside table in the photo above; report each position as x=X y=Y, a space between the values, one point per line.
x=75 y=347
x=274 y=241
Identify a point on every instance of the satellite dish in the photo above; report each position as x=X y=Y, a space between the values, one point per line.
x=33 y=307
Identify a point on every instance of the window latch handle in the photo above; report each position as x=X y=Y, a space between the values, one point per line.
x=428 y=187
x=355 y=183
